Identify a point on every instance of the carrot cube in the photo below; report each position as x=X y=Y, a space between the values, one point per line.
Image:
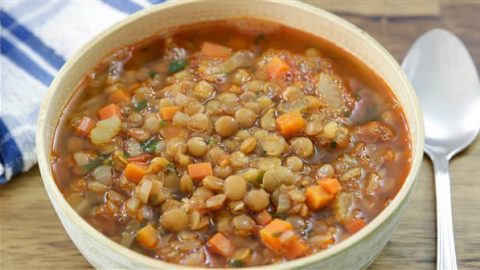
x=295 y=248
x=169 y=112
x=109 y=111
x=318 y=197
x=85 y=125
x=118 y=96
x=290 y=123
x=263 y=218
x=199 y=170
x=221 y=245
x=276 y=67
x=134 y=172
x=270 y=234
x=355 y=225
x=147 y=236
x=331 y=185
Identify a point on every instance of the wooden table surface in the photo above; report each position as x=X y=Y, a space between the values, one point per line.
x=31 y=236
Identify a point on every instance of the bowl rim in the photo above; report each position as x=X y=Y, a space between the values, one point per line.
x=56 y=197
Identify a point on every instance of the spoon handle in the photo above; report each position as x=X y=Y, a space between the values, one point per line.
x=446 y=258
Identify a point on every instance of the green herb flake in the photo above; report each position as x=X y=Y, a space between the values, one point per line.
x=163 y=123
x=333 y=144
x=211 y=141
x=171 y=167
x=347 y=113
x=357 y=96
x=152 y=73
x=126 y=154
x=259 y=38
x=260 y=175
x=93 y=164
x=149 y=145
x=176 y=66
x=236 y=263
x=140 y=105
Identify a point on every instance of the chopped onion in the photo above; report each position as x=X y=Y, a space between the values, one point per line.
x=103 y=174
x=96 y=187
x=81 y=158
x=240 y=59
x=114 y=196
x=283 y=203
x=196 y=258
x=133 y=148
x=132 y=204
x=79 y=204
x=82 y=207
x=127 y=239
x=146 y=212
x=330 y=90
x=143 y=191
x=93 y=197
x=105 y=130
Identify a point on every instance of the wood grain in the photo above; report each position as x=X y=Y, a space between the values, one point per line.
x=31 y=236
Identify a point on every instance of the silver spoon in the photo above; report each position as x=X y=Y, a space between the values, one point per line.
x=447 y=84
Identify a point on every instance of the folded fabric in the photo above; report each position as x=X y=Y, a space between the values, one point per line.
x=36 y=38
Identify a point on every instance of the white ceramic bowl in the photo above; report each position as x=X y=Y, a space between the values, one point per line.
x=356 y=252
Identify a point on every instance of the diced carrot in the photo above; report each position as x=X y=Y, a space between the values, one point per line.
x=291 y=122
x=221 y=245
x=199 y=170
x=134 y=172
x=318 y=197
x=118 y=96
x=109 y=111
x=276 y=67
x=331 y=185
x=294 y=248
x=86 y=124
x=279 y=236
x=147 y=236
x=142 y=158
x=355 y=225
x=169 y=112
x=270 y=234
x=215 y=50
x=263 y=218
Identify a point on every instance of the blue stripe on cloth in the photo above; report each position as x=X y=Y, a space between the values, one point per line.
x=32 y=41
x=125 y=6
x=24 y=62
x=10 y=155
x=156 y=1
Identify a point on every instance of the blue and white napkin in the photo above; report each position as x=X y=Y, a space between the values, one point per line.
x=36 y=38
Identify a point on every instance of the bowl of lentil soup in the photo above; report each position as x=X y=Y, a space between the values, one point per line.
x=204 y=134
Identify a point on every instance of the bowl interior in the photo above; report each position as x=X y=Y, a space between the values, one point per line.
x=293 y=14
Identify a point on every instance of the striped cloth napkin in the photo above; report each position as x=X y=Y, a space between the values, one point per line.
x=36 y=38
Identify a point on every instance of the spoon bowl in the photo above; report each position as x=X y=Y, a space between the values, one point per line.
x=447 y=84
